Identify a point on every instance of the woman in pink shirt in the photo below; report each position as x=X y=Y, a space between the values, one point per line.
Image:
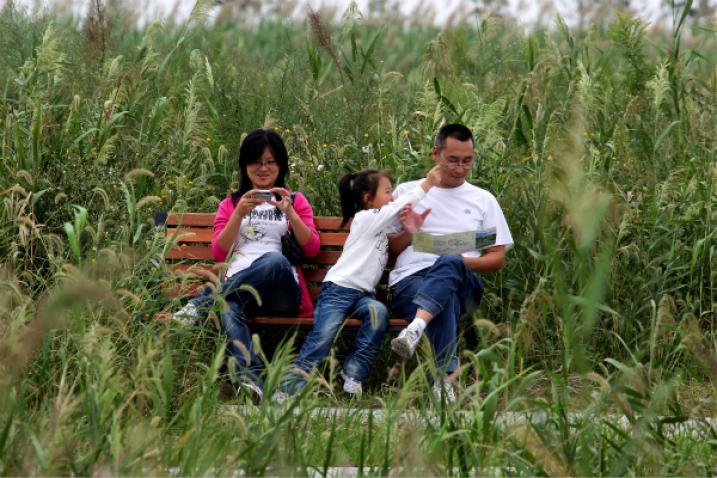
x=247 y=235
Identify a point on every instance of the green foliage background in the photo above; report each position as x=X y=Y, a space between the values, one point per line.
x=600 y=146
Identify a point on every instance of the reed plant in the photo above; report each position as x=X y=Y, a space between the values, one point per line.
x=596 y=344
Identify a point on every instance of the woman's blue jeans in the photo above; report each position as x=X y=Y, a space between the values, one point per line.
x=270 y=279
x=335 y=304
x=446 y=290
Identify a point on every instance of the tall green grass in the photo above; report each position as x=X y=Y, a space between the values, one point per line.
x=599 y=144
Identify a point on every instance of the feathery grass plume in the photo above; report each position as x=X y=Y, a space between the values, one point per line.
x=96 y=31
x=51 y=58
x=103 y=195
x=148 y=200
x=107 y=150
x=436 y=61
x=254 y=293
x=660 y=85
x=132 y=175
x=199 y=13
x=585 y=90
x=321 y=35
x=194 y=131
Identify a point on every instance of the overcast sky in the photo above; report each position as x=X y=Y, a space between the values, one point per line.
x=526 y=11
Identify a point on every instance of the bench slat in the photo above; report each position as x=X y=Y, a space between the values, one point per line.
x=200 y=219
x=204 y=236
x=189 y=234
x=202 y=253
x=329 y=223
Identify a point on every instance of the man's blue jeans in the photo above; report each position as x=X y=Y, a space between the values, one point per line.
x=270 y=278
x=335 y=304
x=446 y=290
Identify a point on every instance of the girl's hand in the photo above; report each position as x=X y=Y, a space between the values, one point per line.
x=411 y=220
x=284 y=204
x=434 y=176
x=247 y=203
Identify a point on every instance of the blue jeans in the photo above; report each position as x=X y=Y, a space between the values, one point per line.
x=446 y=290
x=272 y=277
x=335 y=304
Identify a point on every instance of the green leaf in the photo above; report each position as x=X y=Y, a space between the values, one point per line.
x=664 y=135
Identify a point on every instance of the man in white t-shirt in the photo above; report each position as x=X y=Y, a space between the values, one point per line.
x=434 y=291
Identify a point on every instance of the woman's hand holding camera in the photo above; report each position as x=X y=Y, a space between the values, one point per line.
x=284 y=203
x=248 y=202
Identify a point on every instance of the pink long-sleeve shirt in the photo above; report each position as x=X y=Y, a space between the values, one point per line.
x=311 y=248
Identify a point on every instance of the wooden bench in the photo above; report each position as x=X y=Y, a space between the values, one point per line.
x=191 y=255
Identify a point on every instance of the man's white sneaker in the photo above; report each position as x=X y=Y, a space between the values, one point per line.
x=443 y=387
x=351 y=385
x=280 y=397
x=187 y=315
x=406 y=342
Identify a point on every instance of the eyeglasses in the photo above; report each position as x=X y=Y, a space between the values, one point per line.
x=269 y=163
x=454 y=163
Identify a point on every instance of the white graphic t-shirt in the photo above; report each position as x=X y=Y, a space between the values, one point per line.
x=464 y=208
x=260 y=232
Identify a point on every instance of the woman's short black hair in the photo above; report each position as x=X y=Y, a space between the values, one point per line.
x=251 y=150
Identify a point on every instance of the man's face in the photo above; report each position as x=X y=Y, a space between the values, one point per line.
x=455 y=160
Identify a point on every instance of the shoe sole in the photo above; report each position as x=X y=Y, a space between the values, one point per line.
x=401 y=348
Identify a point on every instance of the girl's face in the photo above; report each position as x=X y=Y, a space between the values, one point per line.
x=383 y=196
x=264 y=171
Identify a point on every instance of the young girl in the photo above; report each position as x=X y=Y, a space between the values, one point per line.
x=348 y=288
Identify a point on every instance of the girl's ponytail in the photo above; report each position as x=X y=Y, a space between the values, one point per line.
x=353 y=187
x=348 y=205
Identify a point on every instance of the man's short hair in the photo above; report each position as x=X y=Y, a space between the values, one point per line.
x=455 y=131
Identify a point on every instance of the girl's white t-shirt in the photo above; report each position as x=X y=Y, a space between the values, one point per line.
x=460 y=209
x=366 y=249
x=260 y=232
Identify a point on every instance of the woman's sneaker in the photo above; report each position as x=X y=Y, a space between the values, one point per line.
x=351 y=385
x=406 y=342
x=251 y=390
x=187 y=315
x=442 y=387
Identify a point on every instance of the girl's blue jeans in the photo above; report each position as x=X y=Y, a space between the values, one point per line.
x=335 y=304
x=446 y=290
x=270 y=279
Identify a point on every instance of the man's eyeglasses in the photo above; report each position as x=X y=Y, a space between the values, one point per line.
x=269 y=163
x=454 y=163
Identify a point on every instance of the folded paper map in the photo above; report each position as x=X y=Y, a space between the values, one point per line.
x=454 y=243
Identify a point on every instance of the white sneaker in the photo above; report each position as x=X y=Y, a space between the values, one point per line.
x=251 y=389
x=351 y=385
x=280 y=397
x=188 y=315
x=443 y=387
x=406 y=342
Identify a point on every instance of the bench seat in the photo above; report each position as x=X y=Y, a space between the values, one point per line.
x=190 y=259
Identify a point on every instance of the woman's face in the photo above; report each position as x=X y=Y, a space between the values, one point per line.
x=264 y=171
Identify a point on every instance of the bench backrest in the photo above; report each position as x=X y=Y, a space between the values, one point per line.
x=191 y=234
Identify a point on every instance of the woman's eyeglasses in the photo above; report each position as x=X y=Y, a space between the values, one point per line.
x=269 y=163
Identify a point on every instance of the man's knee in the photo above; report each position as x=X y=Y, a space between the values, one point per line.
x=450 y=261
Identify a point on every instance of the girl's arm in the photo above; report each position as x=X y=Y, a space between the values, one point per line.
x=384 y=217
